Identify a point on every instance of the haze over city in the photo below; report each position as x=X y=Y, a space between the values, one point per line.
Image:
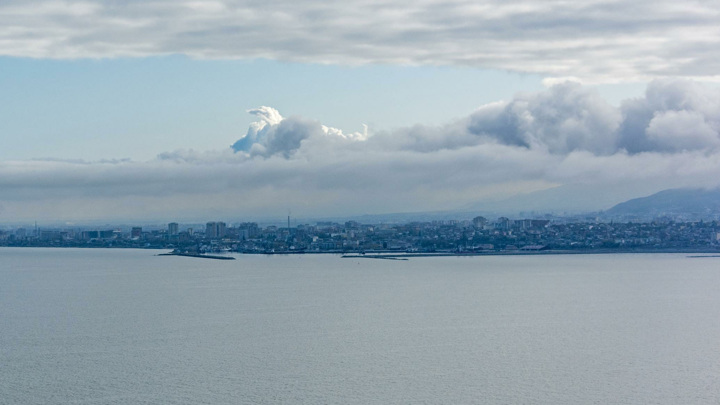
x=203 y=109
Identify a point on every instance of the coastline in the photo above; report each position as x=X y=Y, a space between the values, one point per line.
x=389 y=254
x=703 y=252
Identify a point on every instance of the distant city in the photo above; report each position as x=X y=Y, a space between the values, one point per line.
x=478 y=235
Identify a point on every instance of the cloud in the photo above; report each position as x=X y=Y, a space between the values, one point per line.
x=682 y=130
x=595 y=41
x=673 y=115
x=274 y=134
x=563 y=135
x=564 y=118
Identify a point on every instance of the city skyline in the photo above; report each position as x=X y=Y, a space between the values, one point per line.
x=447 y=237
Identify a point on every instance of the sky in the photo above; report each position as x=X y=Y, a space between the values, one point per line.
x=209 y=110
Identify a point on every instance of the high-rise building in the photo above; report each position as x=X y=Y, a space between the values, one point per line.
x=251 y=228
x=172 y=228
x=502 y=223
x=214 y=230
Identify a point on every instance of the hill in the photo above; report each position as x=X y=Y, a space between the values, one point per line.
x=672 y=202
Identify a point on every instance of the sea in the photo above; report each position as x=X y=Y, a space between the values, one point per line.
x=121 y=326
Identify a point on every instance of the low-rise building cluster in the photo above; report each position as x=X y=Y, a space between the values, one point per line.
x=460 y=236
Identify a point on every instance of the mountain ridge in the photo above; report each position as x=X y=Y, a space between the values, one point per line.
x=676 y=201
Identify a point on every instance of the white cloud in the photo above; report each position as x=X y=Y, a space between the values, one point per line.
x=595 y=41
x=673 y=115
x=563 y=135
x=552 y=81
x=274 y=134
x=682 y=130
x=564 y=118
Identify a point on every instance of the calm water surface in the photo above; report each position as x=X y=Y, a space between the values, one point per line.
x=85 y=326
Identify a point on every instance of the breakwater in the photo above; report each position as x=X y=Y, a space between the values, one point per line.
x=201 y=256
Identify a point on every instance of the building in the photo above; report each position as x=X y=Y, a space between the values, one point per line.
x=479 y=222
x=51 y=235
x=214 y=230
x=502 y=223
x=173 y=228
x=249 y=230
x=87 y=235
x=136 y=232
